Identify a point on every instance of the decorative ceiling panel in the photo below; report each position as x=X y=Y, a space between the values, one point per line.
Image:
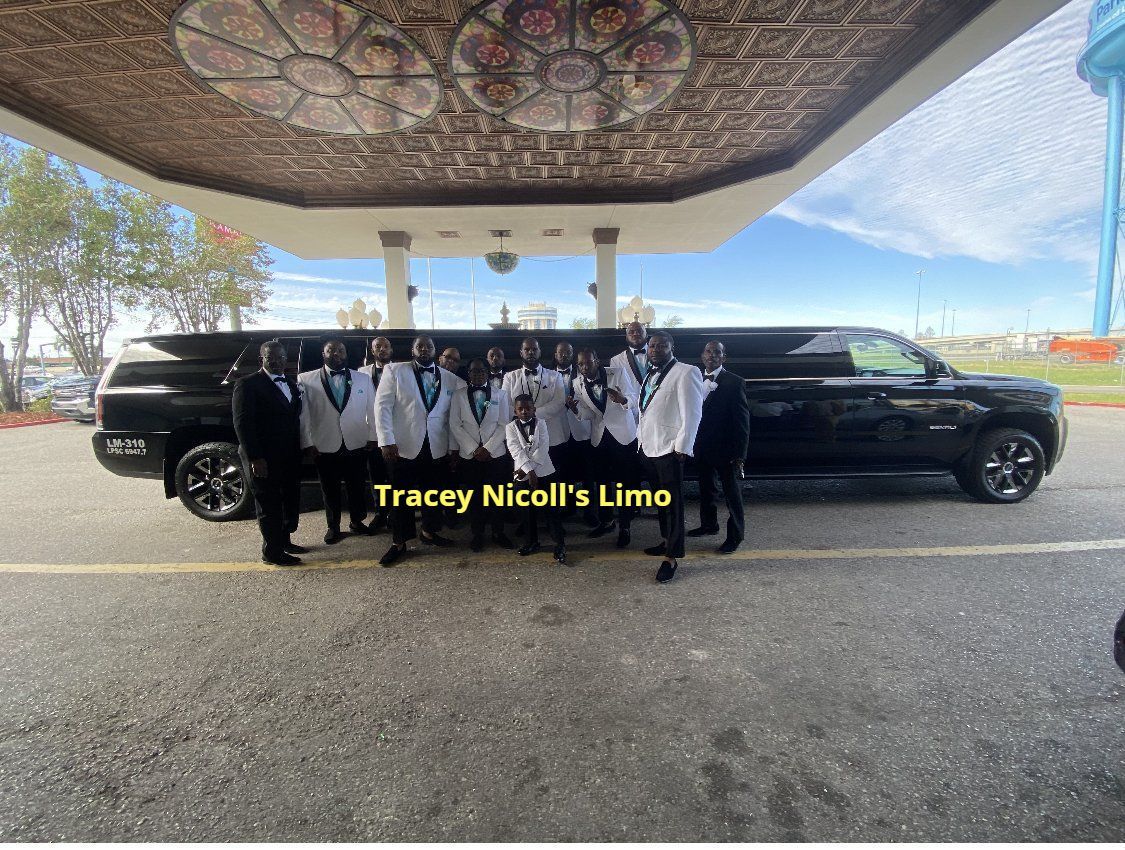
x=772 y=79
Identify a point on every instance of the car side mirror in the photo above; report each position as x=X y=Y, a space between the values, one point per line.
x=933 y=368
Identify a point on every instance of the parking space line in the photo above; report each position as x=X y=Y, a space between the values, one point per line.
x=580 y=556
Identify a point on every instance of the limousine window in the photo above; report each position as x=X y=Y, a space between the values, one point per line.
x=791 y=355
x=181 y=362
x=312 y=356
x=879 y=356
x=250 y=360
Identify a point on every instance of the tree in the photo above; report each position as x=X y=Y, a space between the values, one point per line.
x=583 y=324
x=34 y=225
x=188 y=275
x=672 y=321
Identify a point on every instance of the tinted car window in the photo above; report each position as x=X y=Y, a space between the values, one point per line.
x=184 y=362
x=790 y=355
x=879 y=356
x=251 y=362
x=313 y=358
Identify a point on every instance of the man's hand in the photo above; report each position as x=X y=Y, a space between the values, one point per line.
x=680 y=456
x=520 y=475
x=572 y=405
x=482 y=454
x=616 y=395
x=312 y=452
x=259 y=469
x=532 y=479
x=390 y=453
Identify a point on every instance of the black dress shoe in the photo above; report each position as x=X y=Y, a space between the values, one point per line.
x=728 y=546
x=524 y=551
x=477 y=544
x=560 y=555
x=603 y=530
x=703 y=531
x=358 y=528
x=501 y=540
x=436 y=540
x=624 y=538
x=281 y=560
x=294 y=549
x=658 y=549
x=666 y=573
x=332 y=535
x=392 y=555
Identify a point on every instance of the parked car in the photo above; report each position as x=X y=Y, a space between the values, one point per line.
x=73 y=398
x=824 y=402
x=34 y=387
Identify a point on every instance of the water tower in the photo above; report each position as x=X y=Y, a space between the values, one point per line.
x=1102 y=65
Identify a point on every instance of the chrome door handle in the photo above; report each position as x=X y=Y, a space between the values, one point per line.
x=876 y=396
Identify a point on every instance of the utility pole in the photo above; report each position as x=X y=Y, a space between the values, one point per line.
x=1026 y=329
x=918 y=306
x=953 y=322
x=943 y=305
x=235 y=307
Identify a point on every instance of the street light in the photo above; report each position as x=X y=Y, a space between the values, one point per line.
x=918 y=306
x=953 y=322
x=943 y=305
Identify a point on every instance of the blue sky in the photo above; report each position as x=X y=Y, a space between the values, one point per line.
x=993 y=187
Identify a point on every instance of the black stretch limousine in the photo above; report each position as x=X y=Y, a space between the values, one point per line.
x=824 y=402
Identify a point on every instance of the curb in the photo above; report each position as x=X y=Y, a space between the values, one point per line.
x=39 y=422
x=1094 y=404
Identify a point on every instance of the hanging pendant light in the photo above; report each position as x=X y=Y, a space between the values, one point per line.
x=502 y=262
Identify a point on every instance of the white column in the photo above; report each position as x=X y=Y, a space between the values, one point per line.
x=605 y=266
x=396 y=261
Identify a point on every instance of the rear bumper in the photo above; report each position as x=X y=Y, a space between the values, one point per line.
x=130 y=453
x=74 y=408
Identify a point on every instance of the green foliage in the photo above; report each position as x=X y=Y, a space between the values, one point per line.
x=672 y=321
x=40 y=405
x=581 y=324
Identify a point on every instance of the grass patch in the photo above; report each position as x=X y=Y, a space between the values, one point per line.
x=1102 y=398
x=1079 y=374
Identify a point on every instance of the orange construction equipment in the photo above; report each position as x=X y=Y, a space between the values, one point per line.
x=1085 y=351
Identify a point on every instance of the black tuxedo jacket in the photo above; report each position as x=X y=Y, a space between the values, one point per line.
x=724 y=430
x=267 y=425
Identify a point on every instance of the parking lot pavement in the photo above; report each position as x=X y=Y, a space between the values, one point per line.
x=814 y=693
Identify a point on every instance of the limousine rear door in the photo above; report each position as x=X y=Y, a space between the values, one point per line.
x=901 y=416
x=798 y=389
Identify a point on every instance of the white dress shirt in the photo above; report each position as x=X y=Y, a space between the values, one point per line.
x=282 y=384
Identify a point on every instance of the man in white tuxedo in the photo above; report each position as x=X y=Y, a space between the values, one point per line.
x=412 y=415
x=577 y=459
x=478 y=416
x=382 y=352
x=603 y=400
x=671 y=406
x=633 y=361
x=529 y=437
x=337 y=429
x=545 y=386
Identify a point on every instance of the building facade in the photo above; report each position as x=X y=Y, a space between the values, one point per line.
x=537 y=316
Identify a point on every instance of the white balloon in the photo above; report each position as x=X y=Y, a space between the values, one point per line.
x=342 y=318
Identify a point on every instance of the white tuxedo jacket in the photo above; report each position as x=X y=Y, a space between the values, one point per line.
x=369 y=370
x=327 y=428
x=550 y=402
x=532 y=455
x=627 y=366
x=490 y=433
x=578 y=427
x=620 y=419
x=671 y=419
x=401 y=416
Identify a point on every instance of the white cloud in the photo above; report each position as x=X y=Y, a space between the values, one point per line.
x=295 y=277
x=1004 y=165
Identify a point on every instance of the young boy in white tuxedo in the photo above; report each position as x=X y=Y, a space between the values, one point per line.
x=529 y=444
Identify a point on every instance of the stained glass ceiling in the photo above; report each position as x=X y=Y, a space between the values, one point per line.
x=318 y=64
x=571 y=65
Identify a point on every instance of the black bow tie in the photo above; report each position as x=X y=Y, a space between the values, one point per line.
x=335 y=372
x=639 y=352
x=478 y=389
x=711 y=377
x=496 y=371
x=280 y=381
x=597 y=382
x=430 y=369
x=533 y=373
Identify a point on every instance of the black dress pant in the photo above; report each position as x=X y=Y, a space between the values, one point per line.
x=553 y=514
x=421 y=474
x=277 y=504
x=474 y=475
x=667 y=473
x=350 y=469
x=615 y=464
x=377 y=469
x=732 y=493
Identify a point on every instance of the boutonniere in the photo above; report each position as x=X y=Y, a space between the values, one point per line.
x=487 y=403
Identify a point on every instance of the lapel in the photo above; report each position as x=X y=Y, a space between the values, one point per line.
x=527 y=386
x=324 y=382
x=718 y=386
x=660 y=376
x=422 y=387
x=277 y=396
x=376 y=374
x=473 y=407
x=631 y=359
x=527 y=439
x=568 y=377
x=600 y=405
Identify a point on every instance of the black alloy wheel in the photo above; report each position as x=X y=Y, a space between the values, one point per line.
x=212 y=484
x=1005 y=466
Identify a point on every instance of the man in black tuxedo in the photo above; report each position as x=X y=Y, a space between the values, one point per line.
x=495 y=361
x=267 y=421
x=720 y=447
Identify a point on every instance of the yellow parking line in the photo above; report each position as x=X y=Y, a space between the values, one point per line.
x=582 y=556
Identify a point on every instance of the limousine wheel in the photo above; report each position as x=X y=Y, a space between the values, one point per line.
x=1005 y=466
x=212 y=484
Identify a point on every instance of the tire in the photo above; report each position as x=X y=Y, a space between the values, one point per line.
x=212 y=483
x=1005 y=466
x=1066 y=359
